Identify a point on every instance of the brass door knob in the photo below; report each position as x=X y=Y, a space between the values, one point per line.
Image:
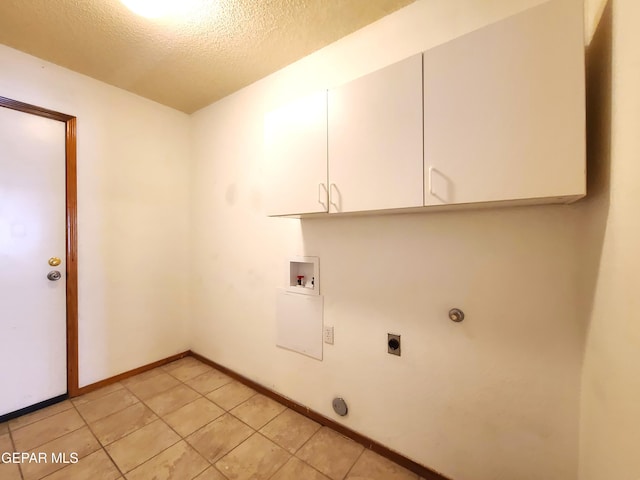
x=54 y=261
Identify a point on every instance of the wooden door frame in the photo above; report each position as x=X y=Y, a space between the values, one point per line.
x=71 y=240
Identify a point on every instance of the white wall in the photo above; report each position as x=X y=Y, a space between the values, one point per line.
x=495 y=397
x=133 y=173
x=610 y=433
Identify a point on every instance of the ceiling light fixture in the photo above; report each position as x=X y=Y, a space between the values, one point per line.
x=162 y=8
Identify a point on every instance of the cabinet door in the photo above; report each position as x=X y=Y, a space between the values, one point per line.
x=295 y=162
x=375 y=140
x=504 y=110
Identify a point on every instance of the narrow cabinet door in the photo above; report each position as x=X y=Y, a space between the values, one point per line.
x=295 y=161
x=504 y=110
x=375 y=140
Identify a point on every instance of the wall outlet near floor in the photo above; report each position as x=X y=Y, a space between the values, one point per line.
x=393 y=344
x=327 y=333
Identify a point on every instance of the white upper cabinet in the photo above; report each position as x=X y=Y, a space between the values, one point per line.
x=295 y=157
x=498 y=115
x=504 y=110
x=375 y=140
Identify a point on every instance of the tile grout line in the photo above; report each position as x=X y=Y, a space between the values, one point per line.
x=282 y=448
x=212 y=465
x=257 y=431
x=228 y=412
x=281 y=466
x=157 y=419
x=291 y=455
x=314 y=468
x=69 y=465
x=73 y=406
x=102 y=398
x=375 y=447
x=304 y=443
x=13 y=447
x=272 y=420
x=94 y=392
x=103 y=447
x=87 y=424
x=313 y=435
x=302 y=461
x=31 y=449
x=354 y=463
x=99 y=443
x=181 y=438
x=234 y=448
x=39 y=420
x=236 y=406
x=307 y=441
x=294 y=455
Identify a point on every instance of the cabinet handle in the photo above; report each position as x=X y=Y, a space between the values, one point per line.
x=430 y=182
x=331 y=187
x=322 y=186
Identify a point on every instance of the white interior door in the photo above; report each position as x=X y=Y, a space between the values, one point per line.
x=32 y=231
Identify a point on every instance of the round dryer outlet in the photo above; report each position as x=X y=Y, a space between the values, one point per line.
x=340 y=406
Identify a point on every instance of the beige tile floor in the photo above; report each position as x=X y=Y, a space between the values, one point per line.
x=185 y=421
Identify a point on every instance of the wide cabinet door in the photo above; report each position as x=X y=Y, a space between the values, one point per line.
x=375 y=140
x=504 y=110
x=295 y=157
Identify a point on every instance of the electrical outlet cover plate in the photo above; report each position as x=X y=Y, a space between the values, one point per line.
x=392 y=341
x=328 y=335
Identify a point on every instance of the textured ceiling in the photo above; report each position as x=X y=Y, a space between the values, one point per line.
x=184 y=62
